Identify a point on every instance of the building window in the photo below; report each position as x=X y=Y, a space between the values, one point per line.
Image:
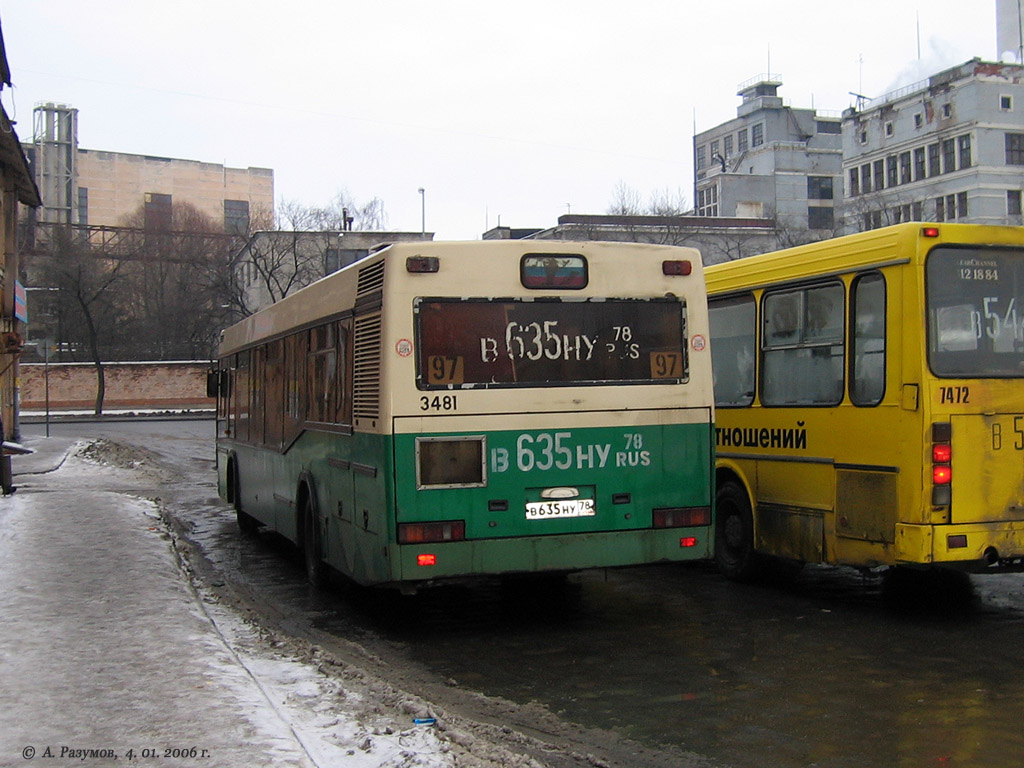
x=961 y=205
x=757 y=135
x=863 y=137
x=707 y=201
x=854 y=182
x=714 y=149
x=918 y=211
x=948 y=156
x=157 y=211
x=701 y=159
x=964 y=150
x=934 y=169
x=865 y=177
x=1013 y=202
x=947 y=111
x=820 y=217
x=918 y=120
x=236 y=217
x=83 y=206
x=891 y=173
x=741 y=140
x=904 y=168
x=727 y=145
x=1006 y=103
x=940 y=209
x=919 y=167
x=1015 y=149
x=879 y=174
x=889 y=130
x=819 y=187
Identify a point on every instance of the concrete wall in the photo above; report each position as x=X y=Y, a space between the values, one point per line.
x=170 y=385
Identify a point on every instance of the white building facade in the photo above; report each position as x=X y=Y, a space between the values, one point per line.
x=949 y=148
x=771 y=161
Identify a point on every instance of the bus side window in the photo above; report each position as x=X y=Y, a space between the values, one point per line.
x=867 y=359
x=733 y=336
x=802 y=346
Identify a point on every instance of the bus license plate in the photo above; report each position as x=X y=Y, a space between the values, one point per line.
x=544 y=510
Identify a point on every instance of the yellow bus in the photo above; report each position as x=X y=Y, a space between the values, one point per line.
x=870 y=404
x=439 y=410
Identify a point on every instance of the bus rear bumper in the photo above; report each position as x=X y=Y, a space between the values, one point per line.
x=452 y=560
x=973 y=547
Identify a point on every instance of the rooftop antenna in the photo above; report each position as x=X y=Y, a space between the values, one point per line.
x=918 y=35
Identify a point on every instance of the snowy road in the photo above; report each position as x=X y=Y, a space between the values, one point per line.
x=642 y=667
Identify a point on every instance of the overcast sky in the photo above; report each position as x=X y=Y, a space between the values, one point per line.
x=504 y=112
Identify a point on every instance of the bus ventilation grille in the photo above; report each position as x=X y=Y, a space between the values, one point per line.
x=371 y=279
x=366 y=375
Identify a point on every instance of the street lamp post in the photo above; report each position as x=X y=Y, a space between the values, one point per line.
x=423 y=213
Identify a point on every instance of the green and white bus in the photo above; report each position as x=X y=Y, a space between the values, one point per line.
x=441 y=410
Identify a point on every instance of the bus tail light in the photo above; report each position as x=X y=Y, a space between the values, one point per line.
x=430 y=533
x=682 y=517
x=423 y=264
x=681 y=267
x=426 y=560
x=930 y=231
x=942 y=458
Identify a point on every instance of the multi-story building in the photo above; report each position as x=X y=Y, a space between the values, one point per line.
x=88 y=187
x=771 y=161
x=947 y=148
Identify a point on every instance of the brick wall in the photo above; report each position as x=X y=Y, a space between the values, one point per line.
x=128 y=385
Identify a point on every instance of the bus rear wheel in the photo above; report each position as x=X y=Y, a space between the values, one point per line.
x=734 y=533
x=317 y=571
x=247 y=524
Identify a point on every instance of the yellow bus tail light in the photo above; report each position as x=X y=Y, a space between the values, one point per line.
x=942 y=458
x=431 y=533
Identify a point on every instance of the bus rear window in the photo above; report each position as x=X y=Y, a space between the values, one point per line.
x=975 y=312
x=468 y=343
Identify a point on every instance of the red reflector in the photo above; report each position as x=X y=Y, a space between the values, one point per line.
x=941 y=474
x=428 y=533
x=681 y=517
x=688 y=541
x=941 y=454
x=676 y=267
x=958 y=541
x=930 y=231
x=426 y=559
x=422 y=264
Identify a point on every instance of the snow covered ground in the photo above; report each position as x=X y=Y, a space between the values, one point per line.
x=110 y=646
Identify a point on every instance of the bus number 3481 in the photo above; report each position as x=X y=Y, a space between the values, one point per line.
x=439 y=403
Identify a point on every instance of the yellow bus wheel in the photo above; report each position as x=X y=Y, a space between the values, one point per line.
x=734 y=533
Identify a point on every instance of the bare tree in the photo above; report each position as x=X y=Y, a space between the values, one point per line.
x=626 y=201
x=88 y=305
x=173 y=285
x=342 y=213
